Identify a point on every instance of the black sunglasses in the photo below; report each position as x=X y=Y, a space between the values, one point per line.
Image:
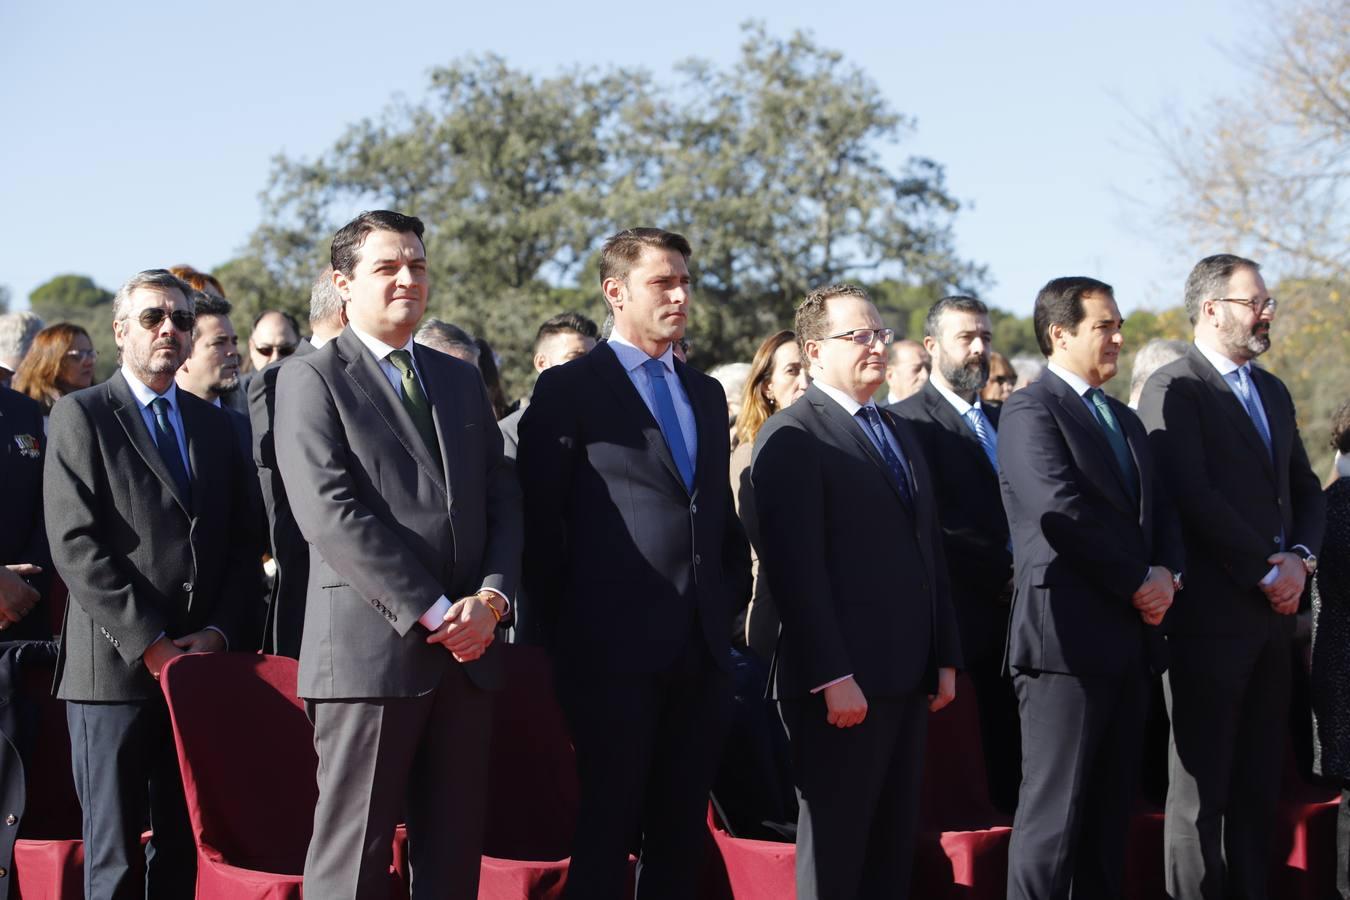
x=181 y=318
x=279 y=350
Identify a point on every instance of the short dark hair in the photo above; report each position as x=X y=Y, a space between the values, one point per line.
x=290 y=319
x=204 y=304
x=1340 y=428
x=813 y=315
x=1209 y=280
x=1060 y=303
x=347 y=242
x=566 y=323
x=958 y=302
x=623 y=250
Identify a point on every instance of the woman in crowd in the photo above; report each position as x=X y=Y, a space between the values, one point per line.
x=60 y=362
x=777 y=377
x=1331 y=650
x=1002 y=378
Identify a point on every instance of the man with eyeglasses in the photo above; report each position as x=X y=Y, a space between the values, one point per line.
x=868 y=648
x=1252 y=511
x=144 y=494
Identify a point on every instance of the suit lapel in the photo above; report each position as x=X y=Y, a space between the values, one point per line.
x=1105 y=457
x=1231 y=405
x=1271 y=400
x=612 y=373
x=850 y=426
x=705 y=421
x=128 y=413
x=945 y=415
x=440 y=395
x=365 y=372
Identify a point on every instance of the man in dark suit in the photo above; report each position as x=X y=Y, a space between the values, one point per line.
x=1252 y=510
x=959 y=439
x=393 y=466
x=290 y=554
x=144 y=494
x=867 y=647
x=635 y=561
x=24 y=560
x=1097 y=559
x=559 y=340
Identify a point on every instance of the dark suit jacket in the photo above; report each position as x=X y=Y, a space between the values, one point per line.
x=974 y=527
x=286 y=613
x=1235 y=505
x=23 y=536
x=390 y=527
x=1082 y=541
x=138 y=560
x=624 y=566
x=858 y=577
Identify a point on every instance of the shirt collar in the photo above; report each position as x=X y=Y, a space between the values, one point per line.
x=1225 y=365
x=962 y=407
x=377 y=347
x=850 y=405
x=1079 y=385
x=631 y=357
x=144 y=395
x=316 y=342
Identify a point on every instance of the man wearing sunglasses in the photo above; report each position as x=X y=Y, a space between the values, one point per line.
x=144 y=494
x=1252 y=513
x=852 y=549
x=275 y=336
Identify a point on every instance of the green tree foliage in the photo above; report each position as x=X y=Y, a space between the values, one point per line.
x=77 y=299
x=777 y=168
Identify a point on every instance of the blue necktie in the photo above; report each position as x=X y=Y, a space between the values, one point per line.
x=167 y=442
x=1249 y=401
x=670 y=423
x=984 y=432
x=873 y=419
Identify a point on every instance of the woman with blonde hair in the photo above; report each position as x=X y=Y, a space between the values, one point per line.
x=777 y=377
x=60 y=362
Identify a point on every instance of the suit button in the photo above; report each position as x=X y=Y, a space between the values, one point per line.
x=693 y=508
x=11 y=819
x=1276 y=539
x=698 y=560
x=3 y=872
x=187 y=586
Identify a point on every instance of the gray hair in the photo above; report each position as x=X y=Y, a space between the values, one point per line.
x=17 y=331
x=446 y=338
x=1150 y=358
x=159 y=279
x=732 y=377
x=1209 y=280
x=325 y=303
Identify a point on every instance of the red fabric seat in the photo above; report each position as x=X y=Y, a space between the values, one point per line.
x=246 y=750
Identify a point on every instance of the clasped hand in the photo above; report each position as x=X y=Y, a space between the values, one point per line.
x=467 y=629
x=1154 y=596
x=1284 y=592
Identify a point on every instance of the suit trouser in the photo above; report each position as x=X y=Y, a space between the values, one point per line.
x=126 y=771
x=647 y=747
x=858 y=790
x=424 y=757
x=1228 y=699
x=1082 y=737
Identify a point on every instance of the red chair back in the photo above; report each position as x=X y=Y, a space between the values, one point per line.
x=246 y=750
x=52 y=810
x=532 y=807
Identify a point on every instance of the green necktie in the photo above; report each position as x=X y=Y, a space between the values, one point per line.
x=415 y=401
x=1119 y=448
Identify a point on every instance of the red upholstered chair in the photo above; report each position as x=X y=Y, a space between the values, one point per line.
x=49 y=855
x=756 y=870
x=1304 y=867
x=246 y=750
x=962 y=849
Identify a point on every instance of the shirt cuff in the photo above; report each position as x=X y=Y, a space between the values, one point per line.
x=832 y=683
x=1270 y=576
x=223 y=636
x=432 y=618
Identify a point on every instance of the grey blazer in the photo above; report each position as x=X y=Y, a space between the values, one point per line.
x=138 y=560
x=389 y=527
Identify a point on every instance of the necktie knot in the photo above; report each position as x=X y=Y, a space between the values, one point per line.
x=401 y=360
x=161 y=406
x=655 y=368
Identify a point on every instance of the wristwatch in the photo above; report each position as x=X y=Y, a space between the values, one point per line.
x=1303 y=553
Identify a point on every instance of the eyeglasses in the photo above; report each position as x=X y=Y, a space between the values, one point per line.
x=81 y=355
x=865 y=336
x=277 y=350
x=1254 y=304
x=181 y=319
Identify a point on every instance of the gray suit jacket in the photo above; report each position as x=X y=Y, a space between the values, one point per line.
x=138 y=560
x=390 y=528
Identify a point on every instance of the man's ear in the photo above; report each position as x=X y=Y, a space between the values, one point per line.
x=342 y=284
x=612 y=289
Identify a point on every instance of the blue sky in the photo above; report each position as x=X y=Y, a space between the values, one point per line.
x=141 y=134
